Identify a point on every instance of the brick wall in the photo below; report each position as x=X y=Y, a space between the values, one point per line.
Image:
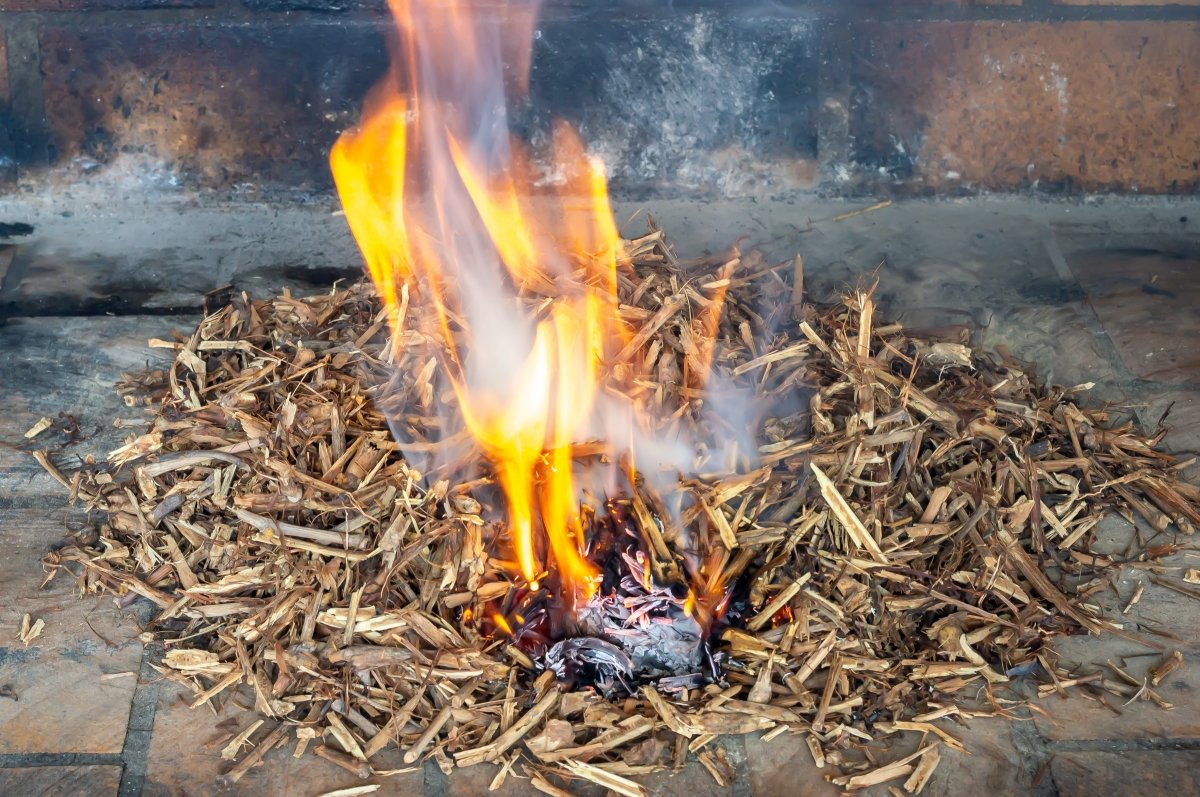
x=1077 y=105
x=695 y=96
x=7 y=161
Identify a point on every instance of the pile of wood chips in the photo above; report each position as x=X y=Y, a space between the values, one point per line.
x=913 y=533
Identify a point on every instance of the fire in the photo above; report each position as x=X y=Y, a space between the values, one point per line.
x=502 y=624
x=524 y=291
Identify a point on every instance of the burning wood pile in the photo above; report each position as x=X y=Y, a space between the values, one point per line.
x=906 y=539
x=545 y=498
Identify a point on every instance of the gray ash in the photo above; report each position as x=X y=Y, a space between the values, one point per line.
x=650 y=624
x=632 y=632
x=629 y=637
x=591 y=660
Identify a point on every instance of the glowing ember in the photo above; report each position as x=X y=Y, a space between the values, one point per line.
x=525 y=297
x=502 y=624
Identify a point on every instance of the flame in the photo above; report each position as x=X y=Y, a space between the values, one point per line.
x=502 y=623
x=524 y=293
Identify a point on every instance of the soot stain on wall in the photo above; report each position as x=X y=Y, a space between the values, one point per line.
x=216 y=105
x=701 y=102
x=716 y=102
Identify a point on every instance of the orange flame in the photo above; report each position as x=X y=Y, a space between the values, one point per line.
x=502 y=623
x=524 y=292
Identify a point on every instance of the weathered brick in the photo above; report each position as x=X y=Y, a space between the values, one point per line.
x=1128 y=2
x=610 y=7
x=3 y=67
x=313 y=5
x=95 y=781
x=218 y=105
x=185 y=756
x=7 y=150
x=98 y=5
x=1166 y=773
x=713 y=103
x=935 y=3
x=692 y=101
x=1001 y=105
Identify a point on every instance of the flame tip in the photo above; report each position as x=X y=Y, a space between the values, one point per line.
x=431 y=124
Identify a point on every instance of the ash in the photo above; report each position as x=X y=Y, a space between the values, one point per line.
x=635 y=633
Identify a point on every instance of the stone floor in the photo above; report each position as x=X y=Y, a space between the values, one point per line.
x=1103 y=291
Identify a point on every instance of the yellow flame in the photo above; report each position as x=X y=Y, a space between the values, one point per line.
x=502 y=624
x=564 y=251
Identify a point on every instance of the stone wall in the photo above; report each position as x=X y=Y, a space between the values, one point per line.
x=692 y=97
x=1066 y=106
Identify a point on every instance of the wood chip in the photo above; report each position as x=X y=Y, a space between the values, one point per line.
x=42 y=425
x=923 y=772
x=230 y=751
x=31 y=629
x=352 y=791
x=914 y=534
x=845 y=515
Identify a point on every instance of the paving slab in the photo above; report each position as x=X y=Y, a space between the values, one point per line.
x=1149 y=556
x=991 y=762
x=1167 y=773
x=991 y=765
x=78 y=781
x=72 y=684
x=1081 y=716
x=1182 y=421
x=1064 y=341
x=476 y=780
x=71 y=687
x=784 y=767
x=1146 y=297
x=68 y=365
x=185 y=757
x=1164 y=619
x=694 y=780
x=1006 y=284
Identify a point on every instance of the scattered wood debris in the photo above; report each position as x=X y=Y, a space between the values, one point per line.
x=231 y=750
x=31 y=629
x=353 y=791
x=887 y=203
x=916 y=524
x=114 y=676
x=39 y=427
